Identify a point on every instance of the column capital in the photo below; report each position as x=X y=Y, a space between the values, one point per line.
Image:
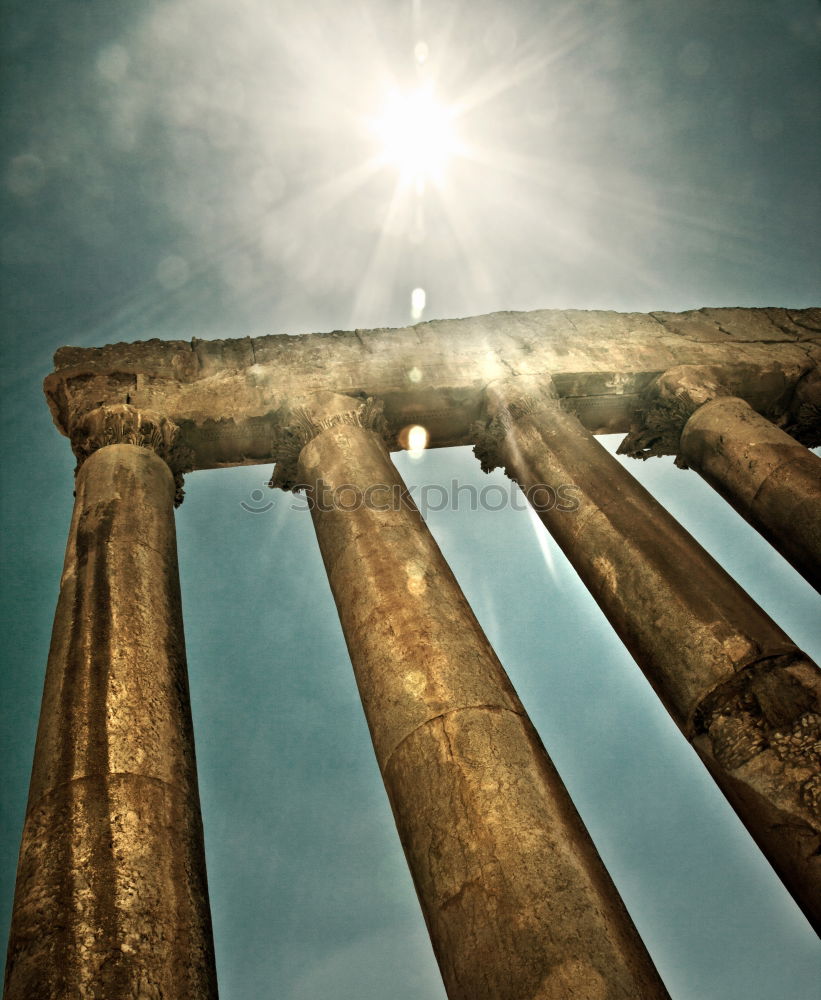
x=674 y=396
x=666 y=406
x=308 y=417
x=804 y=416
x=122 y=423
x=507 y=401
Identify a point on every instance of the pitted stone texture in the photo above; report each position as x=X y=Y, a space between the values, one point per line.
x=401 y=609
x=122 y=423
x=689 y=626
x=760 y=734
x=773 y=481
x=804 y=418
x=231 y=398
x=671 y=399
x=310 y=417
x=680 y=614
x=505 y=870
x=517 y=902
x=111 y=900
x=106 y=909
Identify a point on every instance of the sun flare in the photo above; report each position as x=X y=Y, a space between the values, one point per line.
x=417 y=134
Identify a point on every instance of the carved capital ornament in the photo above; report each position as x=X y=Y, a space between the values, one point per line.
x=309 y=419
x=124 y=424
x=508 y=403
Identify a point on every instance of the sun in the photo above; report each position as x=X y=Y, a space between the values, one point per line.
x=417 y=134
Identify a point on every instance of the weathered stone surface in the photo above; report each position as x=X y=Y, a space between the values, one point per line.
x=111 y=900
x=690 y=627
x=771 y=479
x=309 y=417
x=516 y=900
x=671 y=399
x=760 y=736
x=803 y=422
x=514 y=894
x=230 y=397
x=121 y=423
x=744 y=325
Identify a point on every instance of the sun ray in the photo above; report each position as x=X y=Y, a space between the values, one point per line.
x=381 y=269
x=544 y=545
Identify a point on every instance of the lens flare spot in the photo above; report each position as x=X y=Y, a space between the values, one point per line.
x=416 y=582
x=414 y=439
x=421 y=52
x=417 y=438
x=417 y=441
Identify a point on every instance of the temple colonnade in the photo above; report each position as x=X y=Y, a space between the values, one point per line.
x=111 y=897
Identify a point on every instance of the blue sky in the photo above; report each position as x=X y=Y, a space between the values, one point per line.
x=181 y=169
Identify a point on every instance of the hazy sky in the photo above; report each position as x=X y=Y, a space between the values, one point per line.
x=203 y=168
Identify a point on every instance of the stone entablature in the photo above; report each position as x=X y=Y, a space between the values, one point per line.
x=232 y=399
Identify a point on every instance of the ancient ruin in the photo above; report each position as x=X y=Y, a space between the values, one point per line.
x=516 y=900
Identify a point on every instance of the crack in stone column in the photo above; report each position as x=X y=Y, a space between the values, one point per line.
x=689 y=626
x=514 y=895
x=111 y=900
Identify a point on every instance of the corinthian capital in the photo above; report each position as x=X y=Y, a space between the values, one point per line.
x=666 y=406
x=506 y=402
x=672 y=398
x=309 y=417
x=124 y=424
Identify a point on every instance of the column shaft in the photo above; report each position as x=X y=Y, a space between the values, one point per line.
x=771 y=479
x=111 y=900
x=745 y=697
x=516 y=899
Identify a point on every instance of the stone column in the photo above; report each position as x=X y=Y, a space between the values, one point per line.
x=747 y=700
x=769 y=477
x=516 y=899
x=111 y=900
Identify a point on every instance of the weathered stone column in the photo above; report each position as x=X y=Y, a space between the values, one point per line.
x=745 y=697
x=516 y=899
x=771 y=479
x=111 y=900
